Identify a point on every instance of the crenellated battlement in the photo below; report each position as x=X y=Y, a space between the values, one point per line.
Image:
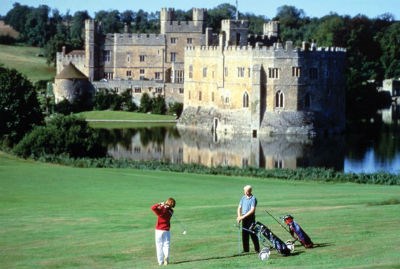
x=276 y=47
x=135 y=39
x=226 y=24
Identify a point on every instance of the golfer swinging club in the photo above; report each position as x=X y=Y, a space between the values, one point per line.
x=164 y=213
x=246 y=213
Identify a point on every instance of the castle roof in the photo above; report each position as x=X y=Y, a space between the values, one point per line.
x=71 y=72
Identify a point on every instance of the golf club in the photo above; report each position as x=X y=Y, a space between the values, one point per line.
x=278 y=222
x=181 y=225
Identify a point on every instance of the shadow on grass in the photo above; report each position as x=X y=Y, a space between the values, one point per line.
x=297 y=252
x=214 y=258
x=322 y=245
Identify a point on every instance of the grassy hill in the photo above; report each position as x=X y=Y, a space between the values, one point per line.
x=62 y=217
x=27 y=61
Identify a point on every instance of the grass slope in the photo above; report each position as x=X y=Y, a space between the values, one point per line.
x=62 y=217
x=25 y=60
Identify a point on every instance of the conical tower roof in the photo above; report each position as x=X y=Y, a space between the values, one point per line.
x=71 y=72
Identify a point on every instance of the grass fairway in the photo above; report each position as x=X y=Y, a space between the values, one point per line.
x=25 y=60
x=62 y=217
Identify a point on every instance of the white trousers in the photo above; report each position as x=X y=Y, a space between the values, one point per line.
x=162 y=245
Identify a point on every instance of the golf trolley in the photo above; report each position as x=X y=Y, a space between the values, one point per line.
x=273 y=241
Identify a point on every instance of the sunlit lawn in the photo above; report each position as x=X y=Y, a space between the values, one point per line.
x=61 y=217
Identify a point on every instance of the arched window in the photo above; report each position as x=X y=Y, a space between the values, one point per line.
x=245 y=100
x=279 y=99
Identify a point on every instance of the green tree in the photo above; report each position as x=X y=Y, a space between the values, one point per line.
x=17 y=16
x=36 y=29
x=19 y=106
x=110 y=21
x=390 y=44
x=146 y=103
x=76 y=29
x=159 y=106
x=67 y=135
x=219 y=13
x=331 y=31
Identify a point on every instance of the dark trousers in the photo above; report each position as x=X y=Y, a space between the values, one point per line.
x=246 y=223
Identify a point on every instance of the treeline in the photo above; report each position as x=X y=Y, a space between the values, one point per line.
x=373 y=44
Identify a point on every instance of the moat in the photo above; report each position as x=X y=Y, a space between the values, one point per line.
x=374 y=148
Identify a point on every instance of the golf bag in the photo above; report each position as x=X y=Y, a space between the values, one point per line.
x=275 y=241
x=296 y=230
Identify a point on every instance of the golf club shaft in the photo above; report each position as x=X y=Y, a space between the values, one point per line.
x=180 y=223
x=277 y=221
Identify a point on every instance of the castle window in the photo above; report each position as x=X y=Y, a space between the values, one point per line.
x=108 y=75
x=181 y=91
x=142 y=71
x=189 y=40
x=240 y=72
x=273 y=72
x=159 y=90
x=173 y=56
x=279 y=99
x=279 y=164
x=249 y=72
x=190 y=71
x=307 y=101
x=179 y=76
x=173 y=40
x=313 y=73
x=138 y=90
x=142 y=58
x=204 y=72
x=225 y=71
x=296 y=71
x=129 y=73
x=200 y=96
x=245 y=100
x=107 y=56
x=157 y=75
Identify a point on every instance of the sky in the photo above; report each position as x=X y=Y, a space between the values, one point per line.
x=268 y=8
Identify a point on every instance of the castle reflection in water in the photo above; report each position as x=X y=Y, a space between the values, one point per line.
x=185 y=146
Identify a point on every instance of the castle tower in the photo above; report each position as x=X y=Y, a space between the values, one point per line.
x=166 y=17
x=236 y=32
x=199 y=16
x=271 y=29
x=90 y=28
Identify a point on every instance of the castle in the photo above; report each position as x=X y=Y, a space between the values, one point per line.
x=229 y=83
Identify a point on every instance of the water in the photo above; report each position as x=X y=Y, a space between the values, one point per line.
x=372 y=149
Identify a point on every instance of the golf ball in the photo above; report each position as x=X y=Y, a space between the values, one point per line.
x=184 y=232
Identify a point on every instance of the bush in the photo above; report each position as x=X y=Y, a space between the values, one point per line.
x=159 y=106
x=176 y=108
x=62 y=135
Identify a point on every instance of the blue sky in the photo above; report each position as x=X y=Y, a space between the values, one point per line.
x=312 y=8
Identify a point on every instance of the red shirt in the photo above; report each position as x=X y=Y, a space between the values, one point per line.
x=164 y=214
